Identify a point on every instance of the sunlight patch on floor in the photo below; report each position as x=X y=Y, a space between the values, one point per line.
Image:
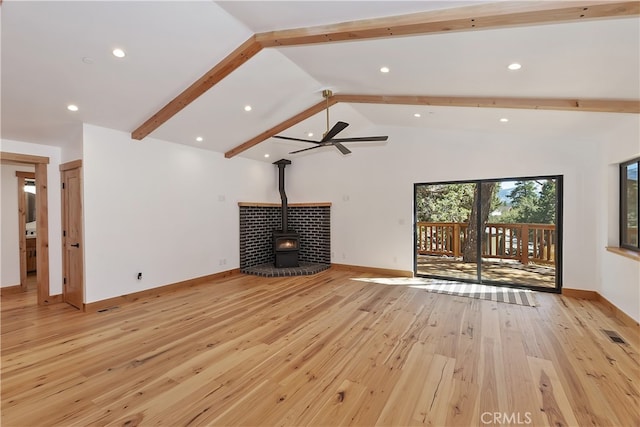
x=473 y=290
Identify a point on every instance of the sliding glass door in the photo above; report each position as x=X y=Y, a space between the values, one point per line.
x=502 y=231
x=443 y=213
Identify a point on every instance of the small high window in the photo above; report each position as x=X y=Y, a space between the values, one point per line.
x=629 y=205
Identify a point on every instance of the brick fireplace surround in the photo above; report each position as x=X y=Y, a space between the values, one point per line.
x=258 y=220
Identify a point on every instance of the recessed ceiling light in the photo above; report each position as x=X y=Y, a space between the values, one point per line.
x=87 y=60
x=118 y=53
x=384 y=70
x=266 y=156
x=199 y=139
x=309 y=134
x=247 y=108
x=417 y=115
x=514 y=66
x=72 y=107
x=504 y=120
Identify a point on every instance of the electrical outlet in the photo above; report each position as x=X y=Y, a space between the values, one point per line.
x=223 y=261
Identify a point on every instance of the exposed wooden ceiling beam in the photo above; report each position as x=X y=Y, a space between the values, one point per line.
x=484 y=16
x=592 y=105
x=588 y=105
x=315 y=109
x=229 y=64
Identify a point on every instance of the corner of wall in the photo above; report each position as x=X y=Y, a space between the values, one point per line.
x=618 y=276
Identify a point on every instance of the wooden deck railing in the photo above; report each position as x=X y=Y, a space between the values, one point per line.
x=522 y=242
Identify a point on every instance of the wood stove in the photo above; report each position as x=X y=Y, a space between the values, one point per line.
x=285 y=242
x=285 y=249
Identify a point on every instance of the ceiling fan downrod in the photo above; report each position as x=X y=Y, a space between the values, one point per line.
x=326 y=93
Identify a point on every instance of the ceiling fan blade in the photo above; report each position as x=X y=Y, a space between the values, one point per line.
x=342 y=148
x=294 y=139
x=336 y=129
x=305 y=149
x=361 y=139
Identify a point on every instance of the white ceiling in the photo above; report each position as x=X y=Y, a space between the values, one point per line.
x=169 y=45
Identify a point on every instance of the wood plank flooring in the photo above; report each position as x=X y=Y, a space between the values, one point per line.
x=323 y=350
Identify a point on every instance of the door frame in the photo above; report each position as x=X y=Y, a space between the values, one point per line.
x=42 y=219
x=65 y=167
x=559 y=233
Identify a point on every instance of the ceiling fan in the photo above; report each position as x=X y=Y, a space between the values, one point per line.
x=328 y=137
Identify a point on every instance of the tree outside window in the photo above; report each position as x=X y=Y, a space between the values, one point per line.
x=629 y=205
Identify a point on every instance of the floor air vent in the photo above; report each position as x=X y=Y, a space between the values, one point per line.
x=613 y=336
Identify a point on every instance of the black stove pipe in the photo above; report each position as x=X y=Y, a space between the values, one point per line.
x=282 y=163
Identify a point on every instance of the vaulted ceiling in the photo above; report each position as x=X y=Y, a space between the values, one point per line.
x=59 y=53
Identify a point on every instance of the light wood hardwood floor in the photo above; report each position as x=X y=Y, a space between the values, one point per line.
x=318 y=350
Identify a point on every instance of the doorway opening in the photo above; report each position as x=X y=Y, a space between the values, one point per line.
x=505 y=232
x=27 y=225
x=30 y=231
x=42 y=220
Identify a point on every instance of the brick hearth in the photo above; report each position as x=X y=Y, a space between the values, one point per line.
x=258 y=220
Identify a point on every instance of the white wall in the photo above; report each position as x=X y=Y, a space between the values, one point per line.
x=55 y=239
x=72 y=148
x=169 y=211
x=619 y=276
x=372 y=190
x=10 y=250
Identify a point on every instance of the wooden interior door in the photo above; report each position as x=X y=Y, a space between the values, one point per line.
x=73 y=282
